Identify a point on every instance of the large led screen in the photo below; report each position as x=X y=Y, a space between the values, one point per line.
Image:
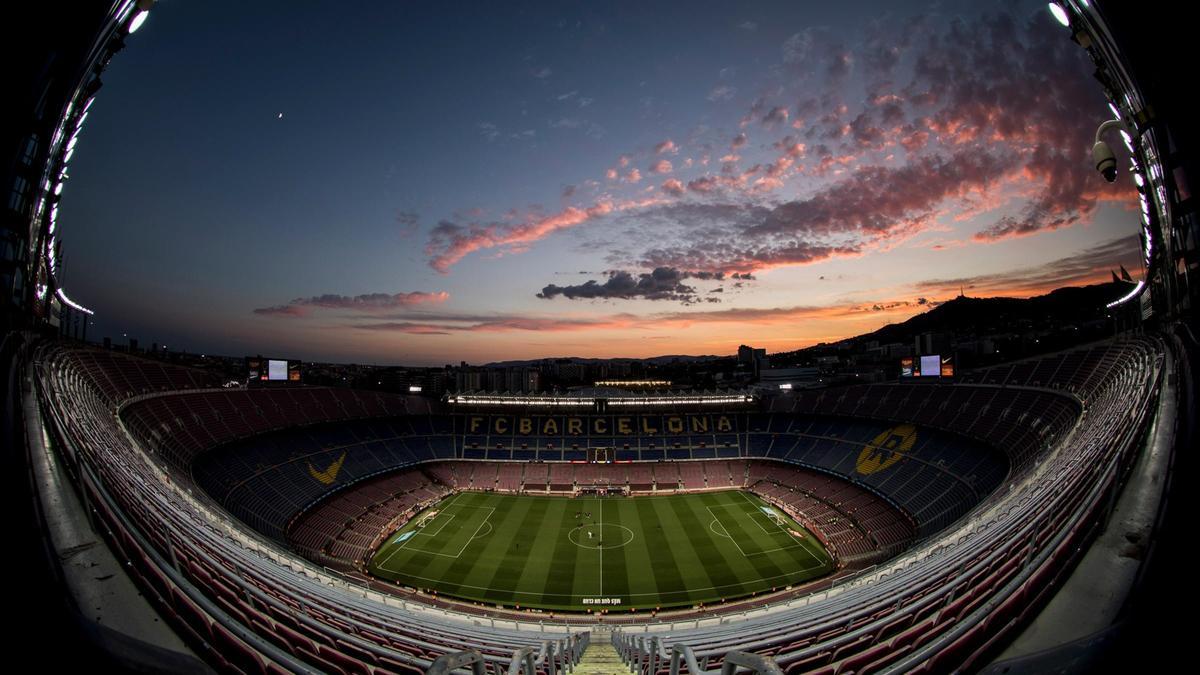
x=277 y=370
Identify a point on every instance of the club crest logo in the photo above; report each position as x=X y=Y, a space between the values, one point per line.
x=886 y=449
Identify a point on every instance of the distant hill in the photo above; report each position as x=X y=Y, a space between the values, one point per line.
x=995 y=315
x=962 y=315
x=983 y=316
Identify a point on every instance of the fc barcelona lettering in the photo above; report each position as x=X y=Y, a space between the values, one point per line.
x=598 y=425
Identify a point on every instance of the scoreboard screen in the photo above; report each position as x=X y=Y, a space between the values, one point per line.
x=259 y=369
x=929 y=365
x=277 y=370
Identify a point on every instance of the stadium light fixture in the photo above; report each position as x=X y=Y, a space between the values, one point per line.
x=1141 y=284
x=71 y=303
x=137 y=21
x=1059 y=12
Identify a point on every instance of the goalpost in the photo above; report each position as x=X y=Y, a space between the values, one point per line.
x=773 y=516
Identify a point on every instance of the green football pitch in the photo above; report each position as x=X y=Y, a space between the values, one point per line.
x=592 y=553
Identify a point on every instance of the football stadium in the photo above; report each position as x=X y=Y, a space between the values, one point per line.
x=922 y=503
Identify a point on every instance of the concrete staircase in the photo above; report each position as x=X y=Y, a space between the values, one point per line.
x=600 y=658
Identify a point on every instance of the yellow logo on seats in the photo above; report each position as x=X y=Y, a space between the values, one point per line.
x=886 y=449
x=328 y=475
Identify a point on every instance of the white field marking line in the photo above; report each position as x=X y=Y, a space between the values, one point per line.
x=625 y=595
x=601 y=548
x=441 y=522
x=446 y=522
x=383 y=565
x=491 y=510
x=718 y=519
x=447 y=555
x=490 y=528
x=758 y=510
x=781 y=529
x=714 y=530
x=792 y=545
x=580 y=528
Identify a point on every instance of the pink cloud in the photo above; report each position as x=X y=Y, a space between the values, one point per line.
x=777 y=115
x=366 y=303
x=450 y=242
x=661 y=166
x=290 y=311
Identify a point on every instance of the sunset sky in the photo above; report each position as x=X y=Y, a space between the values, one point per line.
x=425 y=183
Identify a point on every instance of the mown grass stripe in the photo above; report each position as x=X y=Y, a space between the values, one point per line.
x=509 y=547
x=564 y=571
x=674 y=559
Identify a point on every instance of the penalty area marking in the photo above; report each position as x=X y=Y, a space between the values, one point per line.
x=422 y=530
x=794 y=543
x=714 y=525
x=781 y=528
x=474 y=536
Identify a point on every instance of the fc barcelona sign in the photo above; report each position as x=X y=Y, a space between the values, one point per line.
x=596 y=425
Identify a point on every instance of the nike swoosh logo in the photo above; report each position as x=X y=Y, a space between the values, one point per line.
x=329 y=475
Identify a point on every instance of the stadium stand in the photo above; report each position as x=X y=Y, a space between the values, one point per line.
x=945 y=604
x=240 y=602
x=982 y=565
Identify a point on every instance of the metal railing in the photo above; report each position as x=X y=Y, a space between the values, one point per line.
x=646 y=654
x=554 y=656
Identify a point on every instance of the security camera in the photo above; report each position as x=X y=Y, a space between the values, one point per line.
x=1106 y=161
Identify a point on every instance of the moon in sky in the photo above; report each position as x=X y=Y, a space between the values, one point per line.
x=280 y=116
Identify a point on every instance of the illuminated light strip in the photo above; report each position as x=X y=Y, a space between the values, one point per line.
x=1129 y=296
x=71 y=303
x=470 y=399
x=742 y=398
x=633 y=383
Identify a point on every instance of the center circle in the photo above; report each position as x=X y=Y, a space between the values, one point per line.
x=600 y=535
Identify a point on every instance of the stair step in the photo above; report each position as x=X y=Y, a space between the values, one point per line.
x=601 y=659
